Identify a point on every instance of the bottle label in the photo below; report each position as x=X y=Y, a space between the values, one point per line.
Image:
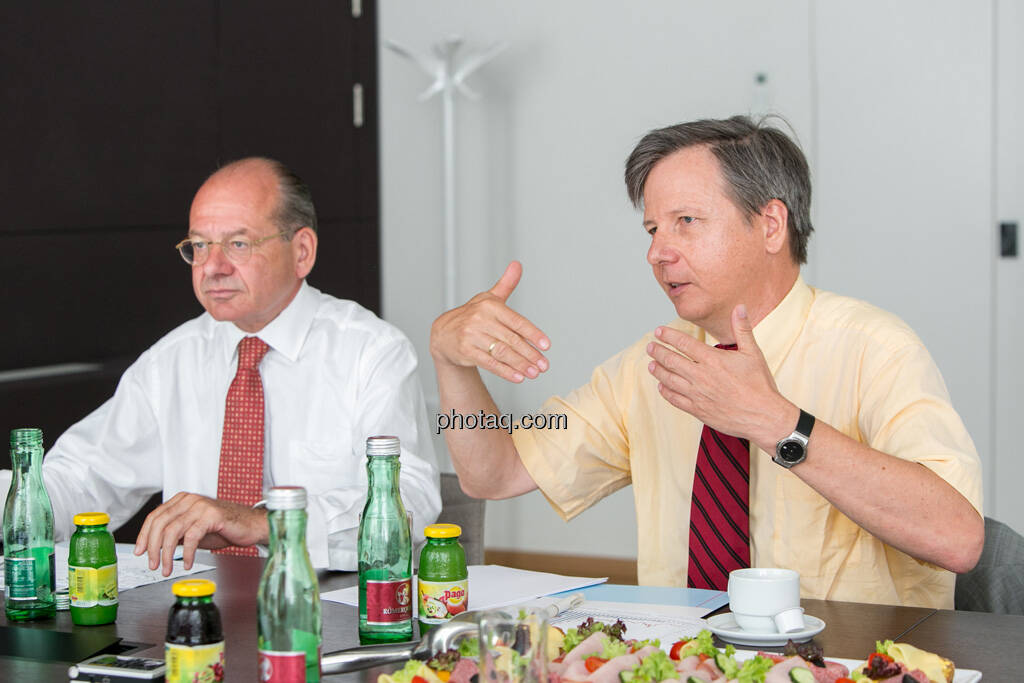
x=285 y=667
x=388 y=602
x=442 y=600
x=186 y=664
x=25 y=575
x=93 y=586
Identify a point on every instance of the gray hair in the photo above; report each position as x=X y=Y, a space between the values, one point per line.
x=295 y=208
x=759 y=163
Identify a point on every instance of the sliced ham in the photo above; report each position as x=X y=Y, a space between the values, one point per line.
x=609 y=671
x=464 y=670
x=592 y=644
x=780 y=672
x=830 y=673
x=577 y=671
x=688 y=665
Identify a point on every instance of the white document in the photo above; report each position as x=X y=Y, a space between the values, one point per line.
x=668 y=623
x=492 y=585
x=132 y=571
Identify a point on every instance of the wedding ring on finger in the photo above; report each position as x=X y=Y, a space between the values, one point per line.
x=490 y=349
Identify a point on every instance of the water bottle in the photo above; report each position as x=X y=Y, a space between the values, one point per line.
x=29 y=576
x=384 y=550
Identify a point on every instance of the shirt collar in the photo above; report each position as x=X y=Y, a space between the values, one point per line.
x=285 y=334
x=777 y=332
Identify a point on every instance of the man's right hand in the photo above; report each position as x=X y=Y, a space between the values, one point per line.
x=484 y=332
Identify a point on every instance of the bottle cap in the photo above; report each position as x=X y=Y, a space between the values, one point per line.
x=91 y=518
x=442 y=531
x=194 y=588
x=286 y=498
x=383 y=445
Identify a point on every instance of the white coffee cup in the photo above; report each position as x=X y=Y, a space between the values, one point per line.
x=766 y=600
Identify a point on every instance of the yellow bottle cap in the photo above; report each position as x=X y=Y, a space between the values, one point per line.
x=194 y=588
x=443 y=531
x=91 y=518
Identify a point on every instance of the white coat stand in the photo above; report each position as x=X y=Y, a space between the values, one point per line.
x=448 y=78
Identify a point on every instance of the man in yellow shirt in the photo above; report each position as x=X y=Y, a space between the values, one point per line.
x=874 y=494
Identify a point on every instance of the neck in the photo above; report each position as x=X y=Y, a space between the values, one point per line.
x=759 y=304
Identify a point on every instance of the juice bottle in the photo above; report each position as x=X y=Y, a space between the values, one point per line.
x=194 y=648
x=92 y=571
x=443 y=576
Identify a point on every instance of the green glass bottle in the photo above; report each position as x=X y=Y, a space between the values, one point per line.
x=92 y=571
x=29 y=577
x=443 y=576
x=288 y=600
x=384 y=550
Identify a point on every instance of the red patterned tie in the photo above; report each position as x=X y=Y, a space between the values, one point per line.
x=240 y=478
x=720 y=512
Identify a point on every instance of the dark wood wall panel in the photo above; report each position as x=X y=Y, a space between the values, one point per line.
x=91 y=295
x=108 y=111
x=347 y=262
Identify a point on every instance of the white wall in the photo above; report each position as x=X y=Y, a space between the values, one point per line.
x=540 y=177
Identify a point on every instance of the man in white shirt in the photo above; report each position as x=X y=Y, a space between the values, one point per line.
x=334 y=374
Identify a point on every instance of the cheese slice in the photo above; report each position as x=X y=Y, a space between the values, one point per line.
x=936 y=668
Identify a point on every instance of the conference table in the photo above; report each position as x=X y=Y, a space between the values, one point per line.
x=993 y=644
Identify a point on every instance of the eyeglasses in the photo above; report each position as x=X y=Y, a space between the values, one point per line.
x=237 y=249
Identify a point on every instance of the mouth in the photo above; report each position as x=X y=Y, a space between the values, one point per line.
x=676 y=288
x=220 y=293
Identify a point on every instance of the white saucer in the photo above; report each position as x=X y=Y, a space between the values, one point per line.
x=724 y=626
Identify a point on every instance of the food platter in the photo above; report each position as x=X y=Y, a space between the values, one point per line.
x=960 y=676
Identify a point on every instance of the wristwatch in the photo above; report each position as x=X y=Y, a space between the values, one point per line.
x=793 y=449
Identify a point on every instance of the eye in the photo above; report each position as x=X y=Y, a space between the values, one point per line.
x=651 y=230
x=199 y=245
x=238 y=245
x=687 y=219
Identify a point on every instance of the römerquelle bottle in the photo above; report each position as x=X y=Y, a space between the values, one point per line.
x=29 y=578
x=384 y=550
x=92 y=571
x=289 y=595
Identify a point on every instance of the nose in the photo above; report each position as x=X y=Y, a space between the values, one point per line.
x=217 y=262
x=661 y=250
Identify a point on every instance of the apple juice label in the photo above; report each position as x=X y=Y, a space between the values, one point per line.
x=197 y=663
x=388 y=602
x=92 y=586
x=442 y=600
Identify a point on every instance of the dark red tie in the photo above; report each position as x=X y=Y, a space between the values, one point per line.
x=240 y=477
x=720 y=512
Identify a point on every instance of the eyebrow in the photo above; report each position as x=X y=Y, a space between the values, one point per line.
x=684 y=211
x=235 y=233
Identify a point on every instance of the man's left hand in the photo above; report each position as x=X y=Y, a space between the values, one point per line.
x=730 y=391
x=195 y=521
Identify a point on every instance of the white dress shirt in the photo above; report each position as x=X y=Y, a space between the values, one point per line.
x=335 y=374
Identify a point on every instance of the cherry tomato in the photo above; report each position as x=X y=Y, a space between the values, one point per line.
x=419 y=679
x=592 y=663
x=676 y=647
x=844 y=680
x=704 y=657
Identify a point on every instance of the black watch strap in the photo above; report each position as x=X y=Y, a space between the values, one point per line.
x=805 y=424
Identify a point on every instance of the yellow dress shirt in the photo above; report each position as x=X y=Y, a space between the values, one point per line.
x=852 y=365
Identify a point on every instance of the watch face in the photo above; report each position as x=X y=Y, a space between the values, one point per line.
x=791 y=451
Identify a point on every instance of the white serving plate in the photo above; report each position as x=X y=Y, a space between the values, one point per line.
x=961 y=675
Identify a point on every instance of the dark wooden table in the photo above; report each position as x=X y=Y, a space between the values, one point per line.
x=993 y=644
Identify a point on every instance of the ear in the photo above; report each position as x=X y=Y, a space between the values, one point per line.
x=775 y=220
x=304 y=251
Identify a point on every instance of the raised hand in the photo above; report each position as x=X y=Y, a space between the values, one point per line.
x=484 y=332
x=731 y=391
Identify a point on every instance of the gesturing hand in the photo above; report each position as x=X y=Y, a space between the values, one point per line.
x=730 y=391
x=195 y=521
x=484 y=332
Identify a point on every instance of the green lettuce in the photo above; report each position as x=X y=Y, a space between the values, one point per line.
x=703 y=644
x=469 y=647
x=753 y=670
x=406 y=673
x=655 y=667
x=883 y=646
x=578 y=634
x=614 y=648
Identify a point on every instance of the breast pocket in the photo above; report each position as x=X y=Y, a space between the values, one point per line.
x=316 y=465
